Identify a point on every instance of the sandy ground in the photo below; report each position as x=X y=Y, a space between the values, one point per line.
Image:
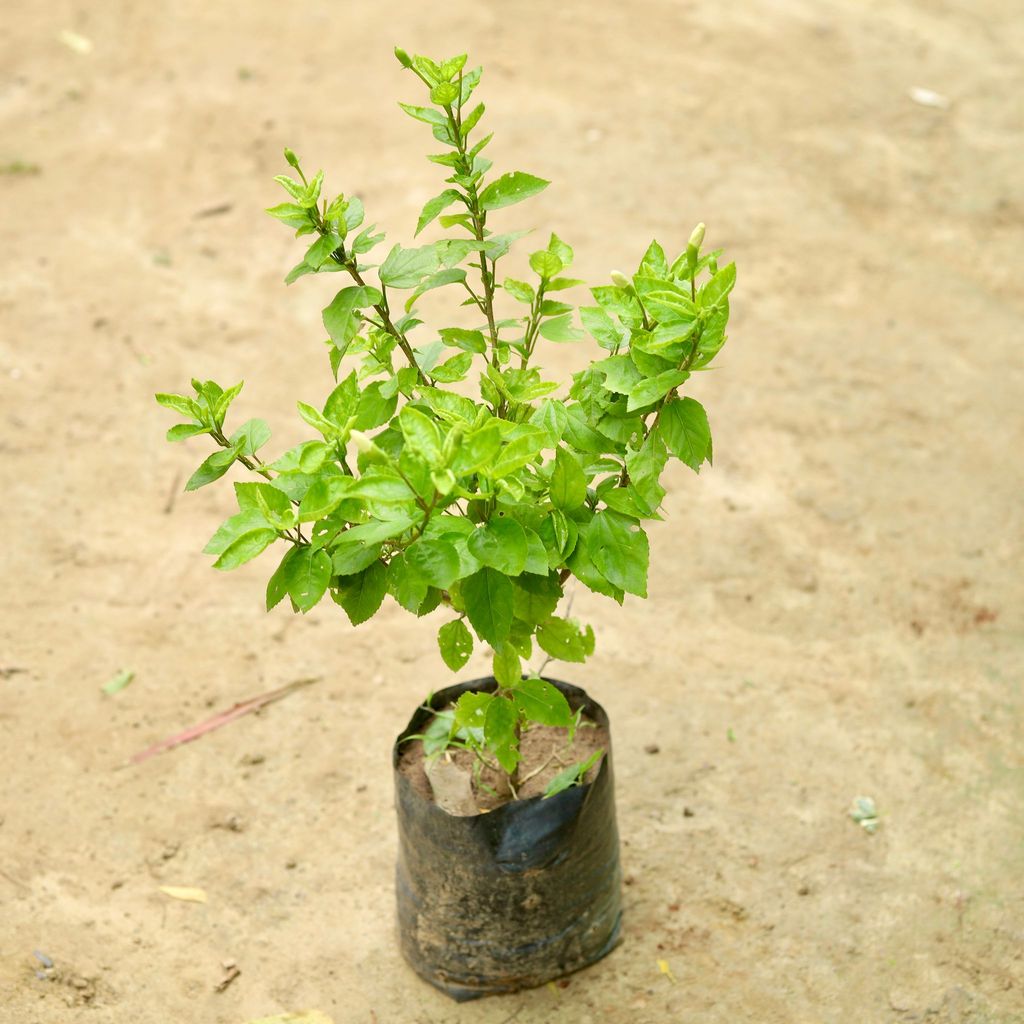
x=836 y=608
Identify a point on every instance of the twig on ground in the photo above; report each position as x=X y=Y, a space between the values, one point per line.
x=222 y=718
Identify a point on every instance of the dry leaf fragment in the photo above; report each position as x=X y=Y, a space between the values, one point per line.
x=180 y=892
x=302 y=1017
x=76 y=42
x=666 y=970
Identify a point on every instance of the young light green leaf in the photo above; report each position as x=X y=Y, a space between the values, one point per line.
x=277 y=585
x=487 y=595
x=214 y=467
x=434 y=206
x=545 y=264
x=245 y=547
x=254 y=434
x=560 y=328
x=652 y=388
x=185 y=430
x=341 y=317
x=456 y=644
x=471 y=710
x=421 y=433
x=560 y=249
x=718 y=287
x=519 y=290
x=513 y=187
x=573 y=775
x=406 y=268
x=468 y=341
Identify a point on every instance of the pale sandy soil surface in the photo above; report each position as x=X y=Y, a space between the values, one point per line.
x=836 y=608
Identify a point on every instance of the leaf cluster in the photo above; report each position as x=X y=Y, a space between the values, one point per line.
x=485 y=505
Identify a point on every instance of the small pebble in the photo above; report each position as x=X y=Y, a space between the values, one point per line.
x=652 y=748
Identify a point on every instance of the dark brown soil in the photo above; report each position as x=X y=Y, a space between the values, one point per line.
x=545 y=752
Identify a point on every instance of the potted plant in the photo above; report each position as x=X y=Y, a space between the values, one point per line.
x=479 y=502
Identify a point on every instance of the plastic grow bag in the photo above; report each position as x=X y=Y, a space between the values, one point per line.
x=515 y=897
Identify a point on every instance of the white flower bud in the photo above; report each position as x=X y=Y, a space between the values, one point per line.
x=620 y=280
x=697 y=237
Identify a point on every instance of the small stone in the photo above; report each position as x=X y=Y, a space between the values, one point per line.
x=170 y=851
x=804 y=890
x=688 y=812
x=291 y=864
x=252 y=759
x=652 y=748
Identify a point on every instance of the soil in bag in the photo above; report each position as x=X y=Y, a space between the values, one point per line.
x=508 y=894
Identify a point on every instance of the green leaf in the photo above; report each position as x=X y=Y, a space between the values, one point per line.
x=620 y=552
x=471 y=710
x=233 y=528
x=620 y=302
x=539 y=701
x=654 y=263
x=653 y=388
x=309 y=573
x=421 y=433
x=373 y=408
x=478 y=449
x=488 y=598
x=254 y=434
x=362 y=594
x=434 y=206
x=426 y=114
x=560 y=328
x=444 y=94
x=513 y=187
x=435 y=561
x=545 y=264
x=506 y=664
x=568 y=483
x=573 y=775
x=501 y=544
x=535 y=597
x=214 y=467
x=292 y=214
x=185 y=430
x=500 y=732
x=454 y=369
x=406 y=268
x=560 y=249
x=565 y=640
x=519 y=290
x=277 y=585
x=551 y=417
x=341 y=317
x=684 y=428
x=343 y=401
x=245 y=547
x=602 y=328
x=456 y=644
x=352 y=556
x=718 y=287
x=620 y=374
x=468 y=341
x=180 y=404
x=326 y=494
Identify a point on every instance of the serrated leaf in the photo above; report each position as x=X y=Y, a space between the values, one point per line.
x=213 y=467
x=456 y=644
x=506 y=665
x=572 y=775
x=277 y=585
x=245 y=547
x=341 y=317
x=519 y=290
x=568 y=489
x=253 y=434
x=565 y=639
x=406 y=268
x=488 y=598
x=620 y=551
x=652 y=388
x=501 y=544
x=543 y=703
x=362 y=594
x=309 y=573
x=545 y=264
x=683 y=426
x=500 y=732
x=560 y=328
x=468 y=341
x=436 y=561
x=718 y=287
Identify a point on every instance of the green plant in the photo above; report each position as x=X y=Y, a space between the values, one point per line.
x=485 y=505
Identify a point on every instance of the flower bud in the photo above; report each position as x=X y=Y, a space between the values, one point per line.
x=696 y=237
x=403 y=58
x=363 y=443
x=620 y=280
x=293 y=160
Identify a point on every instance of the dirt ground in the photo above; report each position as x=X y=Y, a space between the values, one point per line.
x=837 y=607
